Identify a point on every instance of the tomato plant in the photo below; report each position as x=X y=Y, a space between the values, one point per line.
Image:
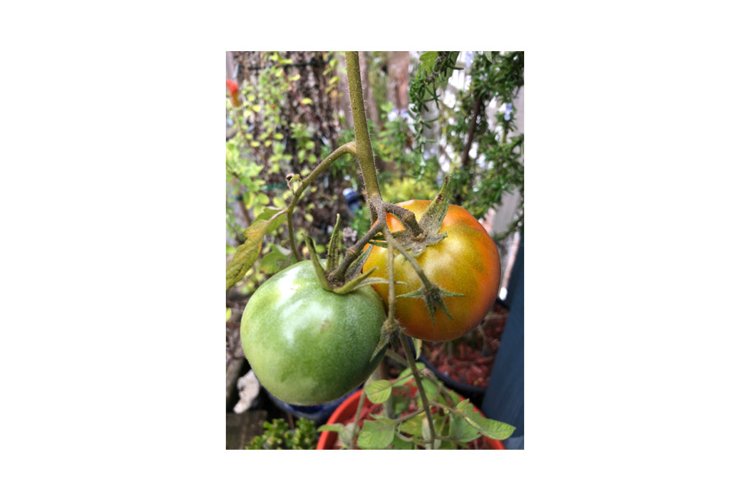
x=316 y=330
x=465 y=262
x=308 y=345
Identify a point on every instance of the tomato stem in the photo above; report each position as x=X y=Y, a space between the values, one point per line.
x=406 y=217
x=410 y=258
x=364 y=154
x=352 y=252
x=391 y=286
x=324 y=165
x=420 y=388
x=355 y=429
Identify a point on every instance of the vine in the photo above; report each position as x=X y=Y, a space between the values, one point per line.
x=343 y=268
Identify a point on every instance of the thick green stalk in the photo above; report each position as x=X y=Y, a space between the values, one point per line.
x=364 y=154
x=355 y=430
x=420 y=388
x=324 y=165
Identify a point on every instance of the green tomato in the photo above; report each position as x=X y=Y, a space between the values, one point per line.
x=307 y=345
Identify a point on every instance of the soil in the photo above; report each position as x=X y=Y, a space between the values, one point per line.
x=468 y=359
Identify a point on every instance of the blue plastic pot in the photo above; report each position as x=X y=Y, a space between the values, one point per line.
x=316 y=413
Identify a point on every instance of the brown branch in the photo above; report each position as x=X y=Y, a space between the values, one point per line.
x=470 y=134
x=352 y=252
x=469 y=141
x=407 y=217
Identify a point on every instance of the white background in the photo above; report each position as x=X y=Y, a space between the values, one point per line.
x=112 y=269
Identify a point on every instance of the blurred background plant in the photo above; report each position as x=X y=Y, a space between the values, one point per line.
x=427 y=112
x=278 y=436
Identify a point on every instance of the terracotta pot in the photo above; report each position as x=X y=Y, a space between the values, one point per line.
x=346 y=411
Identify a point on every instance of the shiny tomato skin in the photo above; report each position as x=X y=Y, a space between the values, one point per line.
x=466 y=262
x=307 y=345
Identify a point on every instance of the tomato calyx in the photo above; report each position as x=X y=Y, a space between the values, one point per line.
x=433 y=298
x=426 y=231
x=354 y=278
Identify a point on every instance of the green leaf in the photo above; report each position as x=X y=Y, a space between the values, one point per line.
x=262 y=199
x=430 y=388
x=331 y=427
x=376 y=435
x=305 y=101
x=427 y=61
x=378 y=391
x=345 y=432
x=229 y=313
x=400 y=444
x=247 y=253
x=493 y=428
x=412 y=426
x=275 y=260
x=407 y=376
x=448 y=445
x=490 y=428
x=461 y=429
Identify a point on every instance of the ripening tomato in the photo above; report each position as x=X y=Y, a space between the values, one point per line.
x=307 y=345
x=466 y=261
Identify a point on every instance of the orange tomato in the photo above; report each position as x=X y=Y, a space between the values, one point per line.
x=466 y=261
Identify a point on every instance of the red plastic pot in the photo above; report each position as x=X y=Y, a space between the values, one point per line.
x=346 y=411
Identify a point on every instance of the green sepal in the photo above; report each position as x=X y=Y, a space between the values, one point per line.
x=355 y=268
x=358 y=282
x=416 y=246
x=319 y=272
x=433 y=298
x=433 y=217
x=334 y=246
